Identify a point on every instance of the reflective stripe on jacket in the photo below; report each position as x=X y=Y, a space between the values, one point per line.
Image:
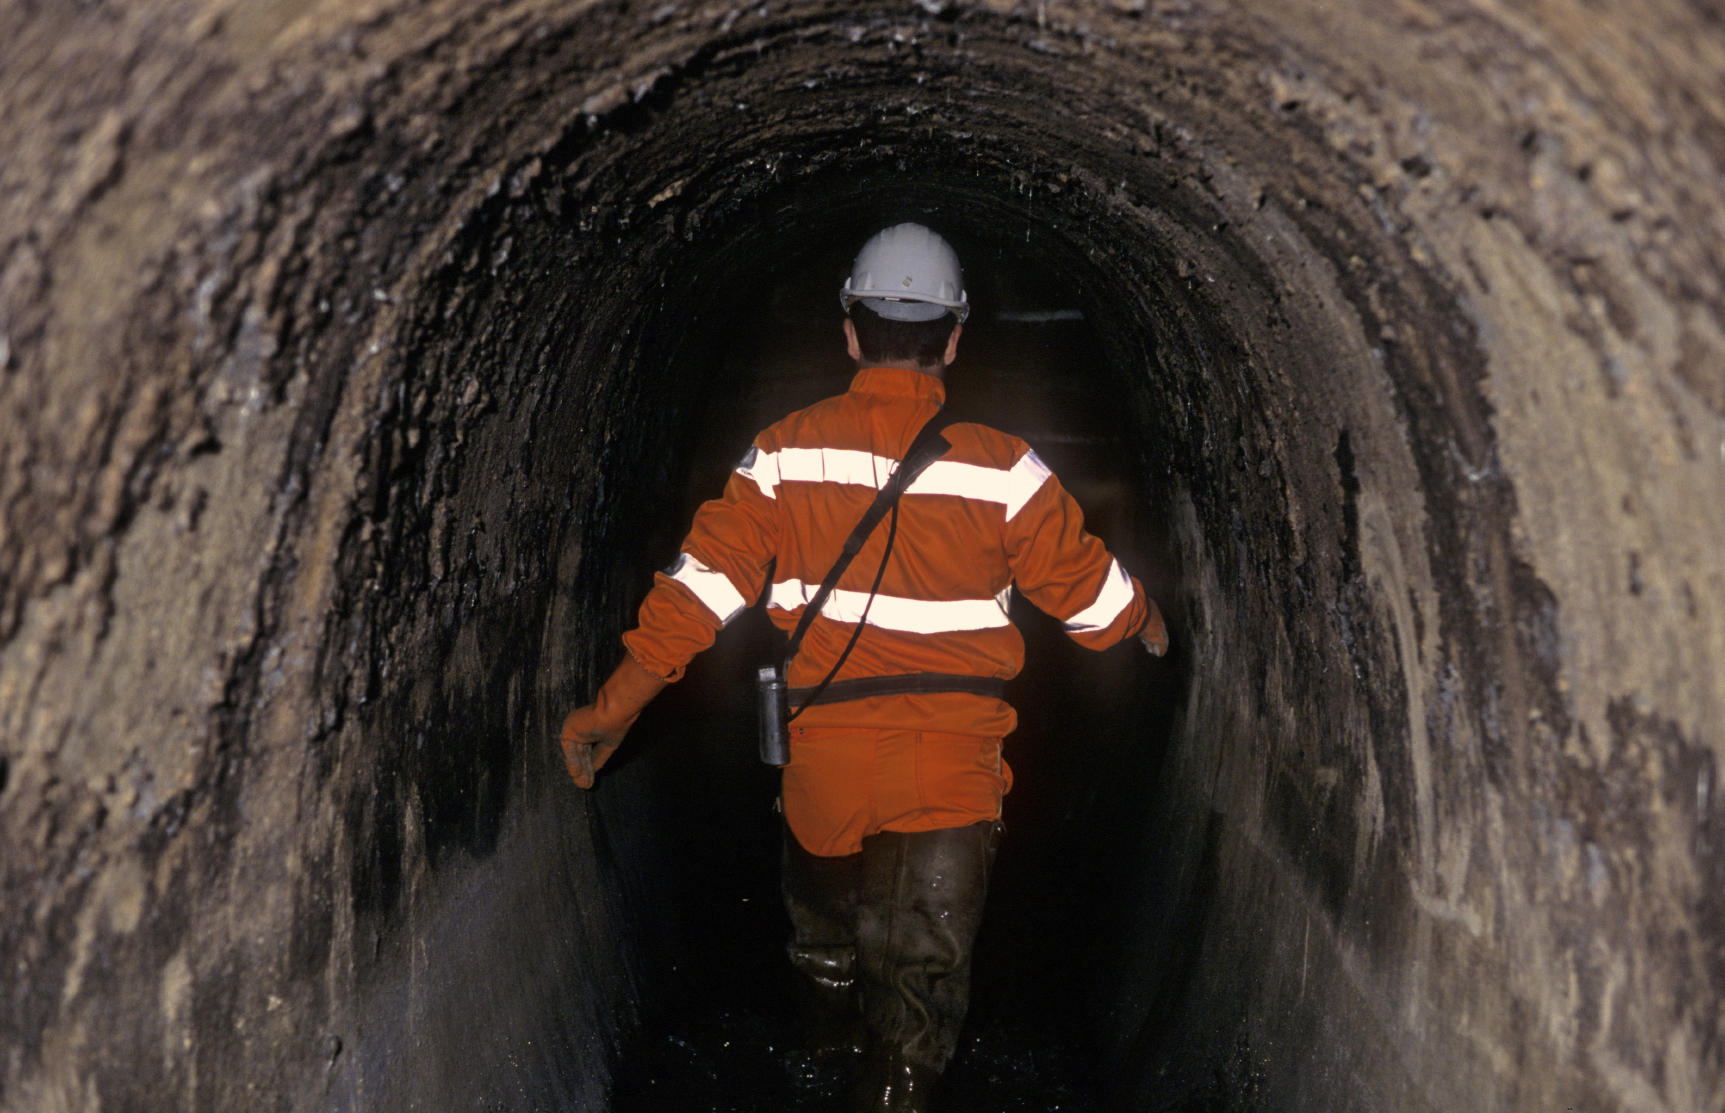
x=986 y=516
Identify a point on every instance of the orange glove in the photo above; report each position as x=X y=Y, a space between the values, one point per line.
x=592 y=734
x=1154 y=635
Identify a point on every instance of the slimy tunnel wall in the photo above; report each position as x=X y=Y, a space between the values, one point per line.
x=358 y=362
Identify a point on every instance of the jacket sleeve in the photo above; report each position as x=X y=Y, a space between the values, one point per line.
x=1063 y=570
x=719 y=573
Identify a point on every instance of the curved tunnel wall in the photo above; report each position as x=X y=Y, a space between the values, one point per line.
x=327 y=338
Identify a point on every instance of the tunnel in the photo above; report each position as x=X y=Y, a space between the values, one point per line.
x=360 y=362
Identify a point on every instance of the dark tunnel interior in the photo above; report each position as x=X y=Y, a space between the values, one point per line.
x=1092 y=729
x=739 y=331
x=357 y=369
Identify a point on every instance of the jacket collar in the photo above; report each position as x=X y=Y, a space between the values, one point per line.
x=897 y=380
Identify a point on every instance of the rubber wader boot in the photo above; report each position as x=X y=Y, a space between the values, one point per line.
x=820 y=895
x=918 y=910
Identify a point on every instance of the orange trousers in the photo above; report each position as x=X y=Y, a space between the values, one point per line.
x=844 y=784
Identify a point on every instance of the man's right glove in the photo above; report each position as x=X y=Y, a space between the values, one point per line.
x=1154 y=635
x=592 y=734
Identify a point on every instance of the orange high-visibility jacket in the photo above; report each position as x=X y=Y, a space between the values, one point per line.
x=987 y=515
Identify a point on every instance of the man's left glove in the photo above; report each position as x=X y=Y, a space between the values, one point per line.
x=1154 y=635
x=592 y=734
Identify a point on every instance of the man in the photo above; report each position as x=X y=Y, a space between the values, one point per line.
x=892 y=795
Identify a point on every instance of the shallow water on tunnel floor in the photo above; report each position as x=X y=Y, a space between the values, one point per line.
x=739 y=1064
x=721 y=1036
x=717 y=1032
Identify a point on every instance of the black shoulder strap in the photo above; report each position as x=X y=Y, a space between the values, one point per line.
x=927 y=447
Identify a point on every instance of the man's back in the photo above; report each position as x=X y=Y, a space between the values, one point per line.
x=984 y=515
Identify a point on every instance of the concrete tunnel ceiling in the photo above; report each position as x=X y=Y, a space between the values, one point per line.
x=327 y=339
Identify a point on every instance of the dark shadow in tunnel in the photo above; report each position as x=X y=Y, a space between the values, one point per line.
x=1093 y=728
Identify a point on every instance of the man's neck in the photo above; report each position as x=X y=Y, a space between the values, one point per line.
x=903 y=365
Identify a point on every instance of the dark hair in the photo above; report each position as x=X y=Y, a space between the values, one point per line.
x=884 y=340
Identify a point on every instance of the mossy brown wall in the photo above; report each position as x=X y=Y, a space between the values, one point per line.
x=342 y=350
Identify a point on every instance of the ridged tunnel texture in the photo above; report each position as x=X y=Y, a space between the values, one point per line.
x=344 y=350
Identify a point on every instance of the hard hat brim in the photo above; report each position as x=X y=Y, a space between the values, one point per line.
x=911 y=308
x=900 y=309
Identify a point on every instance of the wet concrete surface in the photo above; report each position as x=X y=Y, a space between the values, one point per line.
x=353 y=360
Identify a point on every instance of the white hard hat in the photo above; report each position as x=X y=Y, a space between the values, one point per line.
x=907 y=273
